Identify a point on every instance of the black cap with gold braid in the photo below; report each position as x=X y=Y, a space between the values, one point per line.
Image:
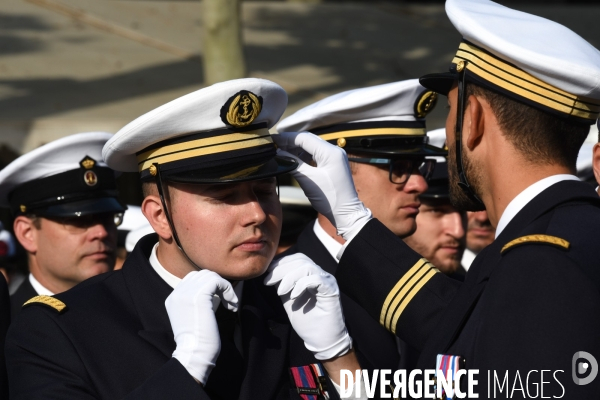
x=64 y=178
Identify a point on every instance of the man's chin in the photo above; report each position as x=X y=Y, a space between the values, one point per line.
x=248 y=271
x=448 y=267
x=96 y=268
x=405 y=229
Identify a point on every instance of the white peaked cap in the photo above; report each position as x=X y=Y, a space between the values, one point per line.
x=545 y=49
x=199 y=111
x=388 y=102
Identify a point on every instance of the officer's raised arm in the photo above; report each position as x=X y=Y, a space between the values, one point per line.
x=330 y=188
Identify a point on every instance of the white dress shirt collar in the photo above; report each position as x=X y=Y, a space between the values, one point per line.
x=173 y=281
x=168 y=277
x=526 y=196
x=38 y=287
x=467 y=259
x=332 y=246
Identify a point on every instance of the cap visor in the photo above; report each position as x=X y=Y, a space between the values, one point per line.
x=426 y=150
x=83 y=207
x=440 y=83
x=441 y=193
x=275 y=166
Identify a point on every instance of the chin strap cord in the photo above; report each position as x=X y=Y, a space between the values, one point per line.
x=159 y=185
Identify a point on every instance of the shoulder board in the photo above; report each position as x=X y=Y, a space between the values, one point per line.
x=47 y=301
x=545 y=239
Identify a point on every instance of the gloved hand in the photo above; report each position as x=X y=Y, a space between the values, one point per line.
x=190 y=310
x=311 y=299
x=329 y=185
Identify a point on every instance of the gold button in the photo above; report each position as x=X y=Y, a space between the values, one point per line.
x=153 y=170
x=23 y=208
x=460 y=66
x=341 y=142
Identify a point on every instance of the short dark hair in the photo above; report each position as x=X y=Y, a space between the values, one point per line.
x=542 y=138
x=149 y=188
x=35 y=220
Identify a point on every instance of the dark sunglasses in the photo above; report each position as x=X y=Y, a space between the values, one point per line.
x=401 y=168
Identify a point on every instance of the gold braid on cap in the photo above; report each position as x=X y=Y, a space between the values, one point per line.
x=202 y=147
x=515 y=80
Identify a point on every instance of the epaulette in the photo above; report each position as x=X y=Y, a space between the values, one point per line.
x=47 y=301
x=545 y=239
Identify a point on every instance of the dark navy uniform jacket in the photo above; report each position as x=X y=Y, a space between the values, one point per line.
x=18 y=298
x=375 y=347
x=4 y=323
x=114 y=341
x=529 y=307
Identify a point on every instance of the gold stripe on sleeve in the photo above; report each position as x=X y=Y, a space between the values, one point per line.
x=399 y=294
x=404 y=303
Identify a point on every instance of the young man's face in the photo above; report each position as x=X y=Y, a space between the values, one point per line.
x=396 y=206
x=73 y=249
x=440 y=235
x=232 y=229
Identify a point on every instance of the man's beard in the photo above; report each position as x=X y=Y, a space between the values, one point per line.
x=458 y=196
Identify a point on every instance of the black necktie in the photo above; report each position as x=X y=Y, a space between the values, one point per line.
x=225 y=380
x=226 y=321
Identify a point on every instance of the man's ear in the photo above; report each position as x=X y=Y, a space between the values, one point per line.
x=26 y=233
x=596 y=162
x=153 y=211
x=474 y=124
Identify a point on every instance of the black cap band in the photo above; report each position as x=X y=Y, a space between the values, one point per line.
x=66 y=187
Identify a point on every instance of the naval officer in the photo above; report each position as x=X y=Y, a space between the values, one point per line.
x=188 y=315
x=522 y=92
x=66 y=210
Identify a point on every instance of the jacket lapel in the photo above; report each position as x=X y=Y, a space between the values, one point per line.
x=149 y=292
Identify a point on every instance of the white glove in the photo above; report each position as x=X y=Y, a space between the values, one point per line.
x=329 y=186
x=190 y=310
x=311 y=299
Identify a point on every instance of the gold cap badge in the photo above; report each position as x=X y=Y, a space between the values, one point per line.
x=87 y=162
x=241 y=109
x=425 y=104
x=90 y=178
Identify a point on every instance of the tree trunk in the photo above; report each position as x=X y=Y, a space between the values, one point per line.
x=223 y=53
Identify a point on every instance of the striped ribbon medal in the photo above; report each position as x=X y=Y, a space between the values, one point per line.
x=310 y=381
x=449 y=365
